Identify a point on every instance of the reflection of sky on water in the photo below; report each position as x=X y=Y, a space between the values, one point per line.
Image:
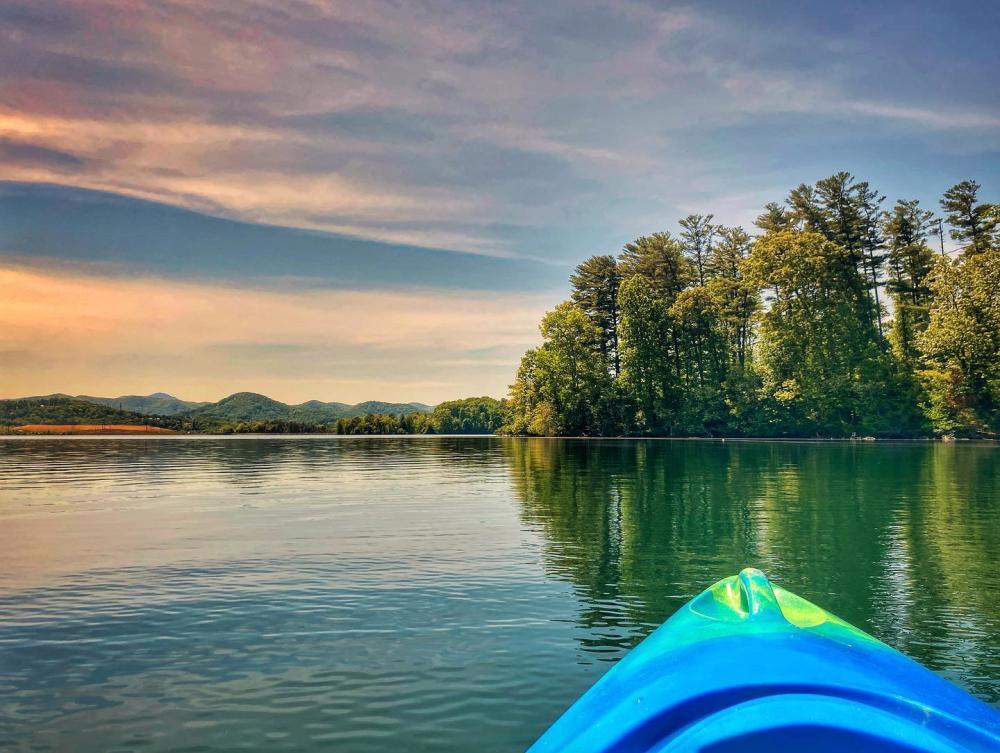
x=299 y=593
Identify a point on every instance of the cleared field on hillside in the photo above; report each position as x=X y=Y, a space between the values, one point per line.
x=91 y=429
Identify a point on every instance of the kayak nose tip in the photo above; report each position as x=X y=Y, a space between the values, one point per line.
x=757 y=597
x=748 y=596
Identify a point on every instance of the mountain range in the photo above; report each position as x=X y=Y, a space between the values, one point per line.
x=241 y=406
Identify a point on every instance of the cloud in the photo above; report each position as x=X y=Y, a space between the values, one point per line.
x=14 y=152
x=360 y=117
x=944 y=119
x=149 y=238
x=66 y=331
x=256 y=194
x=514 y=129
x=786 y=92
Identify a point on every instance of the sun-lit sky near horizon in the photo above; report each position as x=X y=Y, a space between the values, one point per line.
x=378 y=200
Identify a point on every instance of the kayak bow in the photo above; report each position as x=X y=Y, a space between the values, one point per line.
x=748 y=666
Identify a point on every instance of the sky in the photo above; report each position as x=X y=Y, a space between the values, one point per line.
x=378 y=200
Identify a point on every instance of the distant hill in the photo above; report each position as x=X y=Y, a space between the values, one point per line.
x=241 y=406
x=388 y=409
x=318 y=412
x=61 y=409
x=320 y=405
x=250 y=406
x=159 y=403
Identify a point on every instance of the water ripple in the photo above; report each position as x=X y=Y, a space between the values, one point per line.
x=365 y=594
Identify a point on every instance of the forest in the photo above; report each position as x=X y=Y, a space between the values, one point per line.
x=473 y=415
x=836 y=316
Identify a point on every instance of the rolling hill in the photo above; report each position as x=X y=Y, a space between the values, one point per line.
x=61 y=409
x=243 y=406
x=250 y=406
x=136 y=409
x=159 y=403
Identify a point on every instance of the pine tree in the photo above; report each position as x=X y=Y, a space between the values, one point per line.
x=595 y=291
x=660 y=258
x=869 y=202
x=910 y=263
x=697 y=234
x=738 y=299
x=972 y=224
x=774 y=218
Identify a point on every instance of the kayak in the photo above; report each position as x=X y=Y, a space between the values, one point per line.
x=748 y=666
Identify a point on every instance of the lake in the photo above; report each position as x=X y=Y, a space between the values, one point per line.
x=443 y=593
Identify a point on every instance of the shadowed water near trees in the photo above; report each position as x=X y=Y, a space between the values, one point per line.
x=415 y=593
x=898 y=539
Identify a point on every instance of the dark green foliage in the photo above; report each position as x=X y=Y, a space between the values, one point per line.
x=973 y=224
x=650 y=358
x=774 y=218
x=909 y=264
x=562 y=387
x=697 y=232
x=58 y=409
x=273 y=426
x=250 y=407
x=472 y=415
x=159 y=403
x=717 y=333
x=374 y=423
x=660 y=259
x=820 y=368
x=595 y=291
x=736 y=297
x=961 y=344
x=243 y=406
x=703 y=350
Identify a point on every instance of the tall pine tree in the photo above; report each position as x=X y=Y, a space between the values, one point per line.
x=595 y=291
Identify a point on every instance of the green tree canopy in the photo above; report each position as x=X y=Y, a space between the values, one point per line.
x=595 y=291
x=962 y=343
x=715 y=332
x=660 y=259
x=562 y=387
x=972 y=223
x=817 y=362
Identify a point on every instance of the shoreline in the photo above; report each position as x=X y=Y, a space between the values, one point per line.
x=153 y=432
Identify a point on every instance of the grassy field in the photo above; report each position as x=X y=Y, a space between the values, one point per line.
x=89 y=429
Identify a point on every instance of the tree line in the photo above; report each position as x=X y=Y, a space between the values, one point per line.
x=472 y=415
x=836 y=316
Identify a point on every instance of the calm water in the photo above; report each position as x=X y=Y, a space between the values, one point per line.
x=442 y=594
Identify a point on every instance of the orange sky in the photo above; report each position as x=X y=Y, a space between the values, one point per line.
x=69 y=332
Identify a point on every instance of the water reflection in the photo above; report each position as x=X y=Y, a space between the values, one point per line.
x=369 y=594
x=901 y=539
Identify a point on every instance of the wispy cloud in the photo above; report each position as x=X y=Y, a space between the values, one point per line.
x=524 y=129
x=943 y=119
x=208 y=107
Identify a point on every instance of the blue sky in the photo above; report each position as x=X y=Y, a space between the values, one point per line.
x=435 y=154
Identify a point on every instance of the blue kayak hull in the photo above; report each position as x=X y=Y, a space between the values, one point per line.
x=747 y=666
